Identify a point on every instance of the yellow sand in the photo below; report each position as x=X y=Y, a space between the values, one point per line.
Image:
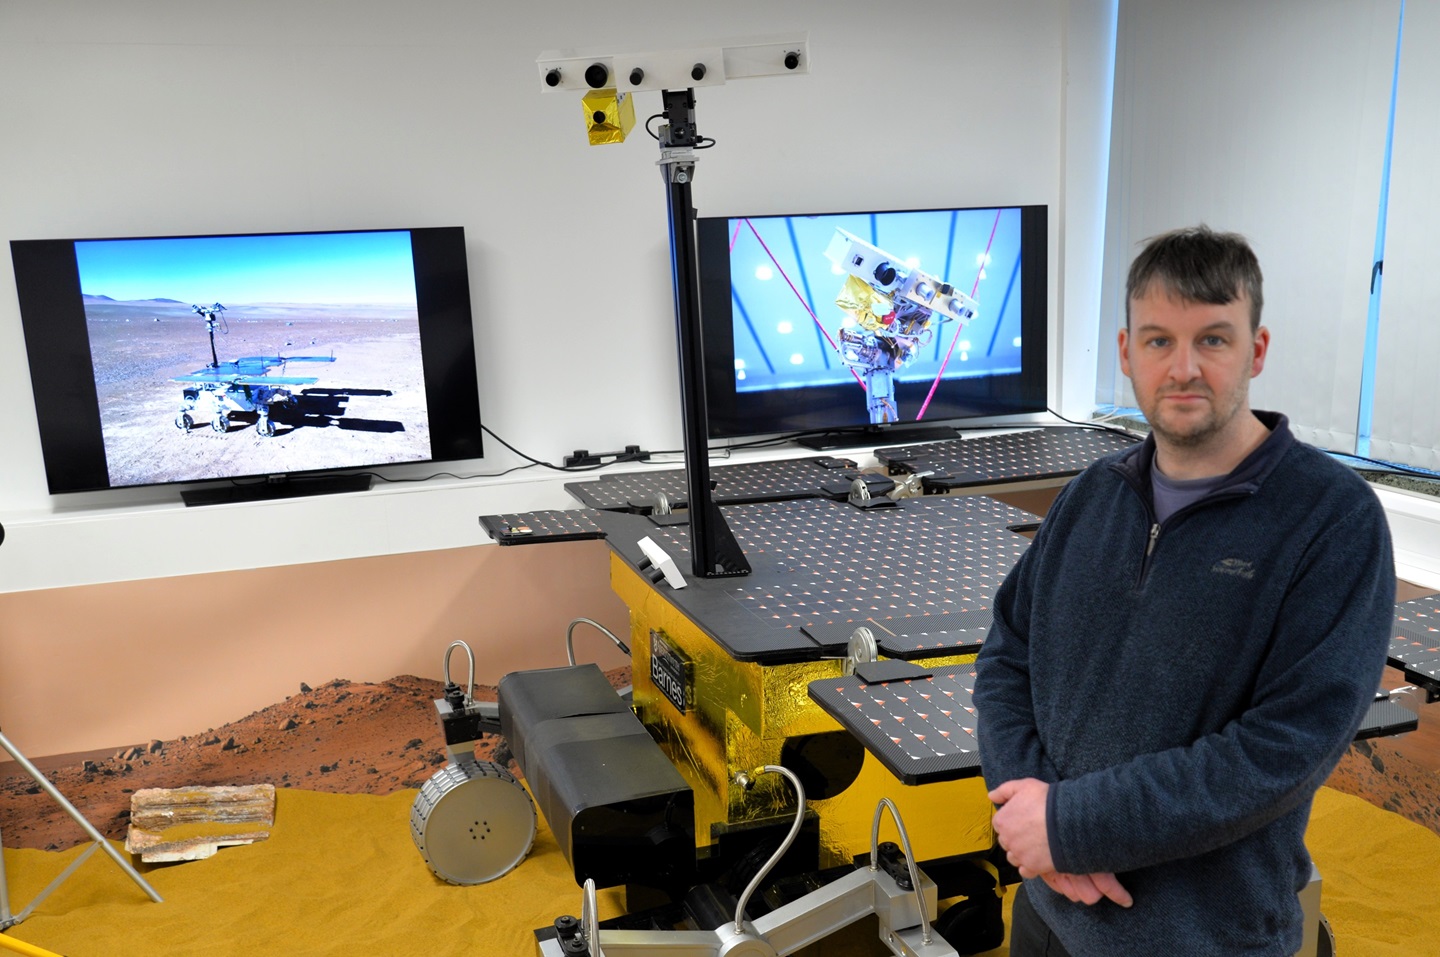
x=340 y=875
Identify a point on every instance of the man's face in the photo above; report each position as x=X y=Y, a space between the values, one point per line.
x=1191 y=364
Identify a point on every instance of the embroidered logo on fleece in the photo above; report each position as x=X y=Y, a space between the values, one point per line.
x=1238 y=567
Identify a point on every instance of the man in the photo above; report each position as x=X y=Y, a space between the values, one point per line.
x=1186 y=649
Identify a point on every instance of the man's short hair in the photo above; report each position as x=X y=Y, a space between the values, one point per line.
x=1199 y=265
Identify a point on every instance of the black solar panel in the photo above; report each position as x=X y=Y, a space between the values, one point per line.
x=734 y=484
x=919 y=723
x=1386 y=717
x=928 y=636
x=838 y=564
x=1039 y=453
x=1415 y=647
x=522 y=528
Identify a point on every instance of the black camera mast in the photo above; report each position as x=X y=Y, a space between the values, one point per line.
x=714 y=551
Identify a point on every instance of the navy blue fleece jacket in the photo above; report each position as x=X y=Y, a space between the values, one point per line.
x=1185 y=688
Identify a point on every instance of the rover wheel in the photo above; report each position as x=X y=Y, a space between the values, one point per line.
x=265 y=427
x=221 y=423
x=973 y=926
x=183 y=422
x=472 y=821
x=1325 y=941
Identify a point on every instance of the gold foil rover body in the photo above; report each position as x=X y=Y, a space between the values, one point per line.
x=739 y=716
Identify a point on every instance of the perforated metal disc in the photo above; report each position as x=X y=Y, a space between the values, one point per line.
x=472 y=822
x=861 y=648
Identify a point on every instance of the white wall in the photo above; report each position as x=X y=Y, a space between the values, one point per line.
x=163 y=117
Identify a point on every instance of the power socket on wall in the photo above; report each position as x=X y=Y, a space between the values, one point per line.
x=583 y=457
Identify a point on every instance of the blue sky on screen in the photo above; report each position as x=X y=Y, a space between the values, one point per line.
x=370 y=267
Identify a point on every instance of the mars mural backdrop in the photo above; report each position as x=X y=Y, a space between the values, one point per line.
x=287 y=306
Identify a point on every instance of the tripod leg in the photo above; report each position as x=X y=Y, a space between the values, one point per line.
x=59 y=879
x=79 y=818
x=20 y=947
x=5 y=916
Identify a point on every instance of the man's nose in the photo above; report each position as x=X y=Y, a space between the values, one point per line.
x=1185 y=363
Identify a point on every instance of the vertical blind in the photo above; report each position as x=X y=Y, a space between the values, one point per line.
x=1266 y=119
x=1406 y=422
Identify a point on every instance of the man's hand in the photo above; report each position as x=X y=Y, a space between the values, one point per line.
x=1021 y=830
x=1020 y=825
x=1088 y=888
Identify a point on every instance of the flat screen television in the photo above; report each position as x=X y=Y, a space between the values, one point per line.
x=292 y=356
x=868 y=327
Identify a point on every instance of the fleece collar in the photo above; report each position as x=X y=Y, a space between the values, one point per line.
x=1136 y=462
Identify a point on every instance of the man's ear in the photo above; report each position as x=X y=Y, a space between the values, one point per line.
x=1261 y=347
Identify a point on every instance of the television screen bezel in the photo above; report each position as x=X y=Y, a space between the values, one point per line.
x=67 y=411
x=834 y=408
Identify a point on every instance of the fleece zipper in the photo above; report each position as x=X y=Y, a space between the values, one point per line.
x=1153 y=538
